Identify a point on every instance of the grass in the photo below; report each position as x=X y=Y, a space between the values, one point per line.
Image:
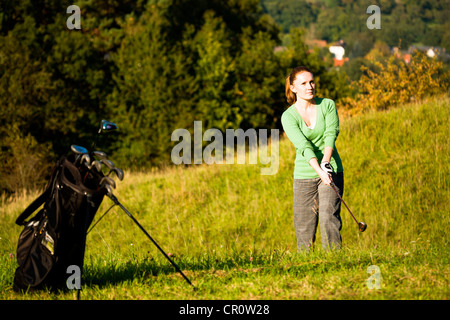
x=230 y=229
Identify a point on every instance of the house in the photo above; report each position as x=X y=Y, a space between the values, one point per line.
x=430 y=51
x=338 y=51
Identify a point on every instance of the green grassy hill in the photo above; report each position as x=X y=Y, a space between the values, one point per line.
x=231 y=229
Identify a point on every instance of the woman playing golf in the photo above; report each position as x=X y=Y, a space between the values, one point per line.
x=312 y=125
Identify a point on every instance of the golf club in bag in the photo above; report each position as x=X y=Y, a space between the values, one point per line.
x=55 y=238
x=362 y=226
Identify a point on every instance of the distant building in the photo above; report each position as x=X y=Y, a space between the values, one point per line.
x=338 y=51
x=430 y=51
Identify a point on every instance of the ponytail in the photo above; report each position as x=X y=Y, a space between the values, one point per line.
x=291 y=97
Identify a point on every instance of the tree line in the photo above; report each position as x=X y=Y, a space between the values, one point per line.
x=412 y=21
x=150 y=66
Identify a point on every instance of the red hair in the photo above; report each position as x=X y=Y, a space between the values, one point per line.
x=290 y=96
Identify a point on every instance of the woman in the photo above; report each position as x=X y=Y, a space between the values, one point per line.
x=312 y=125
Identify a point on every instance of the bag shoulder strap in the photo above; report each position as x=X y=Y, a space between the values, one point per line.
x=39 y=200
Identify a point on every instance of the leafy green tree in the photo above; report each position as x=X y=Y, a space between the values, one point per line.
x=396 y=82
x=53 y=80
x=25 y=87
x=260 y=81
x=215 y=72
x=290 y=13
x=173 y=69
x=154 y=91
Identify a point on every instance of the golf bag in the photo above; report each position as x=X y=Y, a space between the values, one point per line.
x=55 y=238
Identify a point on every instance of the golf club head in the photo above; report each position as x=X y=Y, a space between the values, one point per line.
x=108 y=189
x=100 y=154
x=108 y=126
x=108 y=180
x=362 y=226
x=119 y=173
x=108 y=163
x=97 y=165
x=78 y=149
x=85 y=159
x=104 y=126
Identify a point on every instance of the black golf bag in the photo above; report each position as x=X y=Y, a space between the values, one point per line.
x=55 y=238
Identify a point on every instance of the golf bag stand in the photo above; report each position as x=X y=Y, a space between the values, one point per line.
x=116 y=202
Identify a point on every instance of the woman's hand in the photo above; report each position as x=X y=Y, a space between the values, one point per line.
x=326 y=177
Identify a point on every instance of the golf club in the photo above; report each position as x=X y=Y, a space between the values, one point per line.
x=108 y=189
x=108 y=180
x=118 y=172
x=85 y=159
x=100 y=154
x=362 y=226
x=105 y=125
x=97 y=164
x=113 y=168
x=79 y=151
x=108 y=163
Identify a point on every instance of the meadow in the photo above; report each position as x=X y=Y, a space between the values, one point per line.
x=230 y=229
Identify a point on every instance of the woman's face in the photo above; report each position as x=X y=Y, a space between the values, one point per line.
x=303 y=86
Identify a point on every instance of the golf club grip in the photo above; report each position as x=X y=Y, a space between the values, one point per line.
x=116 y=201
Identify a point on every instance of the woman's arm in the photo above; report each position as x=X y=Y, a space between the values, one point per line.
x=326 y=178
x=331 y=125
x=330 y=135
x=327 y=154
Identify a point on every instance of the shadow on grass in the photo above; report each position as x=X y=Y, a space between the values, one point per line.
x=114 y=272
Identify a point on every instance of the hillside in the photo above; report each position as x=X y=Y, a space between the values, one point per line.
x=230 y=228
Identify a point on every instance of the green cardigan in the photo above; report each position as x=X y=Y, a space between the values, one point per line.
x=311 y=143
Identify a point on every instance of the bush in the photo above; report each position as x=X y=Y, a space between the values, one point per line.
x=397 y=82
x=25 y=163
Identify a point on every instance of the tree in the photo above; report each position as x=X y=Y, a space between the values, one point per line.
x=397 y=82
x=175 y=68
x=25 y=86
x=54 y=80
x=154 y=91
x=215 y=72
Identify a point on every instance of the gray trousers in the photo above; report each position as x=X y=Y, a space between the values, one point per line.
x=315 y=202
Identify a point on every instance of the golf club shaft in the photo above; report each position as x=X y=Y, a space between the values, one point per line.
x=342 y=200
x=116 y=201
